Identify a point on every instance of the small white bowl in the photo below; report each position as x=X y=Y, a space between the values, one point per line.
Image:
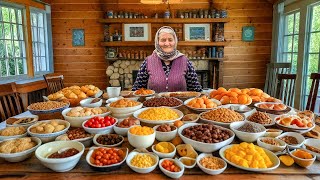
x=87 y=103
x=273 y=148
x=142 y=170
x=141 y=141
x=174 y=175
x=105 y=145
x=188 y=158
x=122 y=131
x=49 y=136
x=85 y=141
x=102 y=130
x=273 y=132
x=164 y=155
x=298 y=136
x=207 y=170
x=59 y=164
x=13 y=137
x=11 y=120
x=301 y=161
x=247 y=136
x=121 y=115
x=194 y=117
x=165 y=136
x=77 y=121
x=20 y=156
x=314 y=143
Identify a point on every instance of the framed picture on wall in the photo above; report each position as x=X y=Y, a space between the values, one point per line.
x=197 y=32
x=137 y=32
x=77 y=37
x=248 y=33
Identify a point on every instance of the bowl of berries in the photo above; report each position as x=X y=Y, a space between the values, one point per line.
x=99 y=125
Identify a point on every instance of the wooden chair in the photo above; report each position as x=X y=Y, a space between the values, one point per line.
x=54 y=83
x=10 y=104
x=273 y=69
x=286 y=88
x=312 y=98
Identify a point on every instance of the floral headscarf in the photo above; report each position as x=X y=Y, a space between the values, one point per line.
x=158 y=50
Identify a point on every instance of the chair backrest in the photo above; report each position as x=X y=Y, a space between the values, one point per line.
x=273 y=69
x=286 y=88
x=9 y=101
x=54 y=82
x=312 y=98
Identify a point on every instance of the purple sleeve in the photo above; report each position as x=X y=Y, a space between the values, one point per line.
x=142 y=77
x=192 y=79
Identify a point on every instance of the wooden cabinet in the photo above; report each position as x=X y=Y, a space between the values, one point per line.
x=210 y=73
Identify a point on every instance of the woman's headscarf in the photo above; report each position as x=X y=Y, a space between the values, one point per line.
x=161 y=54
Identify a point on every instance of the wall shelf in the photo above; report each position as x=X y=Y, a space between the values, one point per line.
x=150 y=43
x=163 y=20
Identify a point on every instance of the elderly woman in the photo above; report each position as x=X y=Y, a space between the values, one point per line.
x=166 y=69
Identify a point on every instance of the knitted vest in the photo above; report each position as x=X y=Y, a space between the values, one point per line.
x=159 y=82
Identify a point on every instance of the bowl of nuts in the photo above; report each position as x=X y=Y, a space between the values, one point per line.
x=221 y=117
x=260 y=117
x=47 y=107
x=272 y=144
x=165 y=132
x=205 y=137
x=108 y=140
x=77 y=134
x=294 y=140
x=163 y=101
x=123 y=126
x=210 y=164
x=190 y=118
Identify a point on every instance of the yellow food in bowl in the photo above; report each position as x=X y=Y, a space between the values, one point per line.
x=142 y=161
x=159 y=114
x=164 y=147
x=138 y=130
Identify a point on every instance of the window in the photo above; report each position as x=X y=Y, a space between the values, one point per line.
x=313 y=53
x=291 y=38
x=41 y=60
x=12 y=45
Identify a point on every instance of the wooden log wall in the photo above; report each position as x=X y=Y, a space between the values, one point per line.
x=245 y=65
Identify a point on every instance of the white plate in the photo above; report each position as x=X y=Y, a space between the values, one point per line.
x=294 y=128
x=138 y=112
x=146 y=95
x=218 y=103
x=274 y=159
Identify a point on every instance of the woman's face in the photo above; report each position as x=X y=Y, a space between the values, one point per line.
x=166 y=42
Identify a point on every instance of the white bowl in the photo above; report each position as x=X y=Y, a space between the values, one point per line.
x=157 y=99
x=165 y=136
x=20 y=156
x=188 y=158
x=298 y=136
x=87 y=103
x=156 y=122
x=314 y=143
x=106 y=167
x=85 y=141
x=141 y=141
x=114 y=99
x=122 y=131
x=223 y=124
x=10 y=121
x=164 y=155
x=142 y=170
x=146 y=95
x=121 y=115
x=273 y=148
x=273 y=132
x=205 y=147
x=102 y=130
x=207 y=170
x=302 y=161
x=124 y=110
x=59 y=164
x=247 y=136
x=77 y=121
x=105 y=145
x=194 y=117
x=218 y=103
x=50 y=136
x=174 y=175
x=13 y=137
x=274 y=159
x=135 y=98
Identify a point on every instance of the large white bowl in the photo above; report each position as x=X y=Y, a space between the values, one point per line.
x=124 y=110
x=218 y=103
x=164 y=155
x=174 y=175
x=87 y=103
x=77 y=121
x=223 y=124
x=207 y=170
x=298 y=136
x=141 y=141
x=50 y=136
x=20 y=156
x=314 y=143
x=273 y=148
x=247 y=136
x=59 y=164
x=165 y=136
x=102 y=130
x=156 y=122
x=13 y=137
x=142 y=170
x=205 y=147
x=274 y=159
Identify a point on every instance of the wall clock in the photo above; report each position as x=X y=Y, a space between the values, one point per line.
x=247 y=33
x=77 y=37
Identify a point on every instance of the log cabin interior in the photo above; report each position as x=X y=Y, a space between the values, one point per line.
x=243 y=44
